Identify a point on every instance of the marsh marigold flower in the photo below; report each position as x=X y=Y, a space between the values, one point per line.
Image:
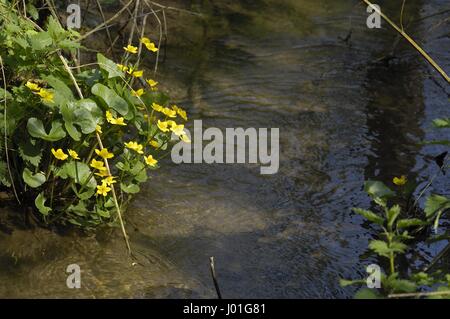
x=103 y=189
x=103 y=153
x=137 y=93
x=122 y=67
x=163 y=126
x=169 y=112
x=157 y=107
x=400 y=181
x=109 y=180
x=135 y=147
x=152 y=83
x=103 y=173
x=114 y=121
x=151 y=161
x=149 y=44
x=185 y=138
x=180 y=111
x=177 y=129
x=32 y=86
x=99 y=165
x=98 y=129
x=45 y=95
x=73 y=154
x=59 y=154
x=154 y=143
x=131 y=49
x=138 y=74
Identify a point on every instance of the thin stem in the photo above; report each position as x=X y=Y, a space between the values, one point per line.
x=5 y=123
x=411 y=41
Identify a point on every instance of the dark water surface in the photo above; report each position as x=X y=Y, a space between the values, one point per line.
x=344 y=116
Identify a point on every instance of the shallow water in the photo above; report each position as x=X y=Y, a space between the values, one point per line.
x=343 y=118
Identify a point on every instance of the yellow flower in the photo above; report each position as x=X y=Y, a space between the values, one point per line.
x=154 y=143
x=109 y=116
x=103 y=189
x=131 y=49
x=46 y=96
x=103 y=153
x=98 y=128
x=99 y=165
x=103 y=173
x=157 y=107
x=32 y=86
x=152 y=83
x=109 y=180
x=130 y=70
x=169 y=112
x=180 y=111
x=122 y=67
x=139 y=92
x=163 y=126
x=151 y=161
x=73 y=154
x=118 y=121
x=138 y=74
x=149 y=44
x=112 y=120
x=185 y=138
x=400 y=181
x=59 y=154
x=177 y=129
x=135 y=147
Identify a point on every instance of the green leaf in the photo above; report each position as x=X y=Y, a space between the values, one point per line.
x=366 y=293
x=33 y=180
x=130 y=189
x=392 y=215
x=412 y=222
x=377 y=189
x=346 y=282
x=40 y=204
x=398 y=247
x=108 y=66
x=55 y=30
x=435 y=203
x=62 y=92
x=30 y=151
x=84 y=113
x=32 y=11
x=382 y=248
x=4 y=176
x=78 y=209
x=369 y=215
x=36 y=129
x=442 y=123
x=111 y=98
x=40 y=41
x=400 y=285
x=79 y=172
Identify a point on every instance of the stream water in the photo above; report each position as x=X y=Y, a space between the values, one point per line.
x=345 y=115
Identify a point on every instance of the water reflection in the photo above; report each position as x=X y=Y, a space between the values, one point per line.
x=342 y=119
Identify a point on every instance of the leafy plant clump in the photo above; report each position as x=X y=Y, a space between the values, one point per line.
x=402 y=226
x=78 y=141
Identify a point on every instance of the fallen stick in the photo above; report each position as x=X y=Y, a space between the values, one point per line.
x=411 y=41
x=214 y=277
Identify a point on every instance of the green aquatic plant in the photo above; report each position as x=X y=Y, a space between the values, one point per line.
x=77 y=140
x=402 y=225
